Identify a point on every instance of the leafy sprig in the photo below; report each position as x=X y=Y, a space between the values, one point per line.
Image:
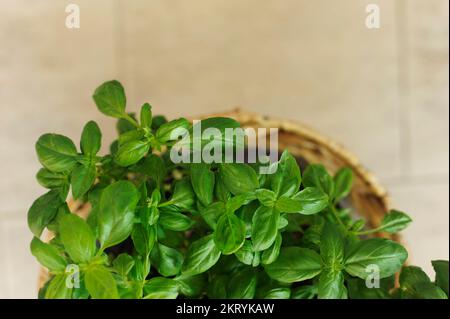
x=157 y=229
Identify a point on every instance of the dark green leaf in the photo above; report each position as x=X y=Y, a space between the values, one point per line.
x=202 y=182
x=212 y=213
x=43 y=210
x=342 y=183
x=91 y=139
x=82 y=179
x=146 y=115
x=317 y=176
x=175 y=221
x=441 y=269
x=264 y=227
x=116 y=212
x=312 y=200
x=56 y=152
x=332 y=249
x=242 y=284
x=295 y=264
x=130 y=153
x=247 y=256
x=191 y=286
x=172 y=130
x=278 y=293
x=304 y=292
x=167 y=260
x=183 y=195
x=144 y=237
x=51 y=180
x=123 y=264
x=110 y=99
x=271 y=254
x=287 y=178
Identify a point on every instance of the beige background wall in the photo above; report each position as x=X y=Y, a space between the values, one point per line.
x=383 y=93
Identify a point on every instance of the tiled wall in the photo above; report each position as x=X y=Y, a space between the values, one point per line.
x=383 y=93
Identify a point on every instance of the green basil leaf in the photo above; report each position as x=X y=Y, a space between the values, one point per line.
x=82 y=179
x=191 y=286
x=389 y=256
x=123 y=264
x=287 y=178
x=146 y=115
x=239 y=178
x=342 y=184
x=316 y=175
x=394 y=222
x=410 y=278
x=124 y=125
x=246 y=255
x=426 y=290
x=202 y=255
x=144 y=238
x=304 y=292
x=56 y=152
x=43 y=210
x=236 y=202
x=175 y=221
x=332 y=248
x=130 y=153
x=167 y=260
x=295 y=264
x=264 y=227
x=331 y=285
x=441 y=269
x=357 y=289
x=91 y=139
x=242 y=284
x=130 y=136
x=57 y=288
x=266 y=197
x=212 y=213
x=51 y=180
x=229 y=235
x=47 y=255
x=202 y=182
x=154 y=167
x=157 y=121
x=183 y=195
x=271 y=254
x=110 y=99
x=312 y=200
x=171 y=130
x=160 y=288
x=217 y=289
x=77 y=238
x=100 y=283
x=278 y=293
x=220 y=189
x=288 y=205
x=116 y=212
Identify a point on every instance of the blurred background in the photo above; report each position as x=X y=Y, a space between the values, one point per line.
x=382 y=92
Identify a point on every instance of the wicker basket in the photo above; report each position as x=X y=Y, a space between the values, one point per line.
x=367 y=197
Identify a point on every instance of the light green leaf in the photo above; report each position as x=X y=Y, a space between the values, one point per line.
x=394 y=222
x=175 y=221
x=202 y=255
x=144 y=238
x=47 y=255
x=266 y=197
x=271 y=254
x=331 y=285
x=264 y=227
x=312 y=200
x=167 y=260
x=286 y=180
x=387 y=255
x=332 y=248
x=229 y=235
x=77 y=238
x=316 y=175
x=100 y=283
x=278 y=293
x=123 y=264
x=239 y=178
x=146 y=115
x=161 y=288
x=172 y=130
x=57 y=288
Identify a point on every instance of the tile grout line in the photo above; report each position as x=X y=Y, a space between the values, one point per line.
x=403 y=88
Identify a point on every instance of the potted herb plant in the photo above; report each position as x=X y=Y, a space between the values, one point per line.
x=142 y=226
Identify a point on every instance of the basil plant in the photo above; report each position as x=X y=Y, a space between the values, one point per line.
x=158 y=229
